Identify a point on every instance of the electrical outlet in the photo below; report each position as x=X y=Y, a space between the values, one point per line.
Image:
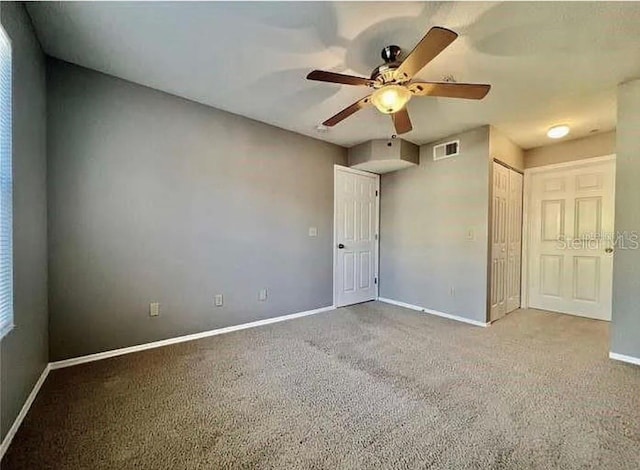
x=154 y=309
x=262 y=296
x=452 y=291
x=471 y=234
x=218 y=300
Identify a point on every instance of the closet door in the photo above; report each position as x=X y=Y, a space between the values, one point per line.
x=499 y=203
x=506 y=241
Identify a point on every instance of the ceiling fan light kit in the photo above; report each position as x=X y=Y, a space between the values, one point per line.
x=391 y=98
x=392 y=83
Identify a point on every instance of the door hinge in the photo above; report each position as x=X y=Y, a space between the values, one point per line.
x=376 y=235
x=376 y=193
x=375 y=280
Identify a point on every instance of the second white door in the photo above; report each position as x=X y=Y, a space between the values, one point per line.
x=356 y=236
x=571 y=239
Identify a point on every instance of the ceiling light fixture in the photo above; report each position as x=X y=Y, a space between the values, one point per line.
x=558 y=132
x=391 y=98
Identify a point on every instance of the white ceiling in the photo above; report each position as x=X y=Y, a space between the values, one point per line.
x=555 y=62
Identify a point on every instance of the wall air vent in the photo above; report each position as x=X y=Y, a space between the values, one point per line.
x=446 y=150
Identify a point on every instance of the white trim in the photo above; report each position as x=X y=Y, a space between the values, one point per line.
x=181 y=339
x=354 y=170
x=5 y=330
x=434 y=312
x=377 y=247
x=526 y=222
x=584 y=161
x=23 y=411
x=333 y=246
x=623 y=358
x=337 y=168
x=526 y=232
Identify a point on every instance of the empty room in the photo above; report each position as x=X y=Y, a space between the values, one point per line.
x=319 y=235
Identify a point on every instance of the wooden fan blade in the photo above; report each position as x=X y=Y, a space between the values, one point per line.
x=470 y=91
x=401 y=121
x=346 y=112
x=432 y=44
x=322 y=76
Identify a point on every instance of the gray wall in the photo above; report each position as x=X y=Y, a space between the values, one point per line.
x=24 y=351
x=156 y=198
x=425 y=214
x=596 y=145
x=625 y=324
x=504 y=149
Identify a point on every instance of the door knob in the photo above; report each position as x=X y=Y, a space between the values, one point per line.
x=340 y=246
x=608 y=250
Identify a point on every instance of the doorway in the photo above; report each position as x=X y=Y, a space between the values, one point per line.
x=570 y=240
x=356 y=229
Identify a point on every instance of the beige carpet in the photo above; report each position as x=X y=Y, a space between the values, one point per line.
x=371 y=386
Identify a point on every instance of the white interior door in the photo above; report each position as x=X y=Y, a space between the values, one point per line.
x=356 y=236
x=506 y=241
x=571 y=239
x=499 y=241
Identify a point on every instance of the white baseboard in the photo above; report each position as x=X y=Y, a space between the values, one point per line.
x=623 y=358
x=23 y=412
x=433 y=312
x=181 y=339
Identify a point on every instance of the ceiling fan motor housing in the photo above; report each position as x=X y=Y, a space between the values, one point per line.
x=390 y=54
x=385 y=73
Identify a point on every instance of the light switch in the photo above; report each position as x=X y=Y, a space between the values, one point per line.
x=262 y=296
x=154 y=309
x=218 y=300
x=471 y=234
x=313 y=231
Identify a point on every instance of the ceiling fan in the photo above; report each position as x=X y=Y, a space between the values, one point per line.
x=392 y=83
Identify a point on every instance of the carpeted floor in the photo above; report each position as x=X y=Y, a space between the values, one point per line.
x=370 y=386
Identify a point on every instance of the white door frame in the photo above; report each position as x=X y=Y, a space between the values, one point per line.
x=526 y=219
x=377 y=236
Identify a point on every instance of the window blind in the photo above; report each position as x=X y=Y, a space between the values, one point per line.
x=6 y=181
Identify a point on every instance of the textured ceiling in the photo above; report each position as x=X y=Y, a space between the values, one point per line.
x=553 y=62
